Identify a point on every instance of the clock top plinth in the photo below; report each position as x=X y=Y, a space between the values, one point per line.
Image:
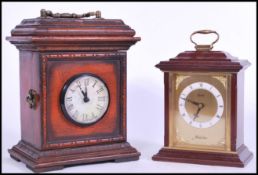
x=68 y=32
x=217 y=61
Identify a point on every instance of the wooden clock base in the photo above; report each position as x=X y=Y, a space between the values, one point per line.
x=237 y=159
x=41 y=161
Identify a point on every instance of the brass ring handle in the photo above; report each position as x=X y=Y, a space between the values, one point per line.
x=47 y=13
x=204 y=47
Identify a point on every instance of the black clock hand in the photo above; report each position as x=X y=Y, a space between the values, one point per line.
x=193 y=102
x=81 y=91
x=86 y=99
x=200 y=106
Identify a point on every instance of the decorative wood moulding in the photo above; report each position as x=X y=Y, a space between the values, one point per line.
x=42 y=161
x=204 y=61
x=51 y=34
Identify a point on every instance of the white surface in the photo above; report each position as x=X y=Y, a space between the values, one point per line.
x=165 y=29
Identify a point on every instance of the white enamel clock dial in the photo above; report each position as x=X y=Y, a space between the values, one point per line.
x=85 y=99
x=201 y=105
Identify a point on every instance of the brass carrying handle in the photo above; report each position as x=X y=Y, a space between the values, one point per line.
x=204 y=47
x=47 y=13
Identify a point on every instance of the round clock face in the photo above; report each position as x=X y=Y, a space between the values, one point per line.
x=201 y=105
x=84 y=99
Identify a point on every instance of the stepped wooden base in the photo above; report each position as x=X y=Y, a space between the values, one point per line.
x=41 y=161
x=236 y=159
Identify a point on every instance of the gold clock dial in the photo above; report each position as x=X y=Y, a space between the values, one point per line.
x=199 y=110
x=201 y=105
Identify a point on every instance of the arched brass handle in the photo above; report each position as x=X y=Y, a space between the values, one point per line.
x=47 y=13
x=204 y=47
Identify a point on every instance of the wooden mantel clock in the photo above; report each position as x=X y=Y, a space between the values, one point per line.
x=73 y=90
x=204 y=107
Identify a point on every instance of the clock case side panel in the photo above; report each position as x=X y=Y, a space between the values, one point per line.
x=240 y=109
x=166 y=109
x=30 y=117
x=237 y=100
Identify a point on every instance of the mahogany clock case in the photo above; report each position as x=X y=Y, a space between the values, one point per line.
x=206 y=62
x=52 y=50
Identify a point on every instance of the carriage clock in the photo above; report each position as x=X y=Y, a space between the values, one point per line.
x=204 y=107
x=73 y=90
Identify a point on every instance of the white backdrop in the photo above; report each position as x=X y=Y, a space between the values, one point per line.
x=165 y=29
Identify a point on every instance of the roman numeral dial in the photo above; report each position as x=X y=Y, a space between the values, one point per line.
x=201 y=105
x=84 y=99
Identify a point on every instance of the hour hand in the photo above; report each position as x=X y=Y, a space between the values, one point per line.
x=201 y=105
x=85 y=96
x=86 y=99
x=196 y=114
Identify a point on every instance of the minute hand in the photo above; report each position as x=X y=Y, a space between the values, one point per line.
x=82 y=91
x=193 y=102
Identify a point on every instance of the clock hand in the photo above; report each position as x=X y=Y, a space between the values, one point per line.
x=196 y=114
x=81 y=91
x=193 y=102
x=86 y=99
x=200 y=106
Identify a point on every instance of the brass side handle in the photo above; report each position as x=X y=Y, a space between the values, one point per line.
x=47 y=13
x=199 y=47
x=32 y=98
